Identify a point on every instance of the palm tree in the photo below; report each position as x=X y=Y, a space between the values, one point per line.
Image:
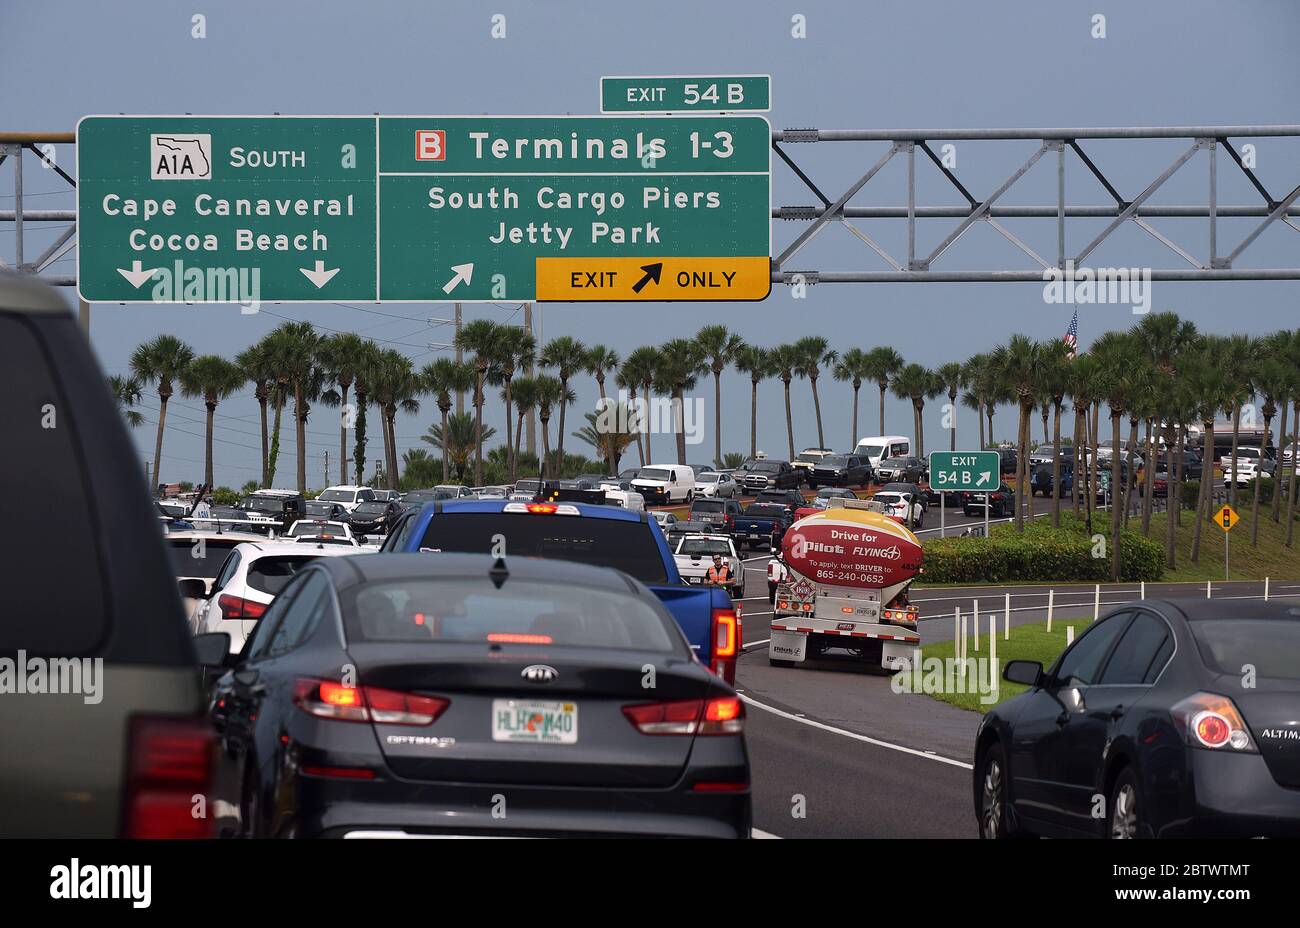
x=341 y=358
x=295 y=349
x=461 y=433
x=161 y=361
x=483 y=338
x=785 y=361
x=1273 y=379
x=212 y=378
x=549 y=391
x=980 y=377
x=882 y=363
x=524 y=393
x=396 y=386
x=568 y=356
x=443 y=378
x=600 y=361
x=953 y=376
x=852 y=367
x=719 y=347
x=757 y=363
x=1020 y=364
x=518 y=350
x=1211 y=388
x=1083 y=386
x=1278 y=346
x=608 y=433
x=680 y=361
x=918 y=384
x=814 y=351
x=1236 y=358
x=126 y=393
x=1117 y=356
x=256 y=363
x=638 y=370
x=1055 y=380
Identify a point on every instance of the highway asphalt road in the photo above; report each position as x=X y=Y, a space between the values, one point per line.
x=832 y=740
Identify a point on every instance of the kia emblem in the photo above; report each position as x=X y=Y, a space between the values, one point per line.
x=539 y=673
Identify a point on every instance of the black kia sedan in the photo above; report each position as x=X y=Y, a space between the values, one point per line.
x=1166 y=718
x=435 y=694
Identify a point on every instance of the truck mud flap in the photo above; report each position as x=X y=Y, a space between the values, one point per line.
x=787 y=646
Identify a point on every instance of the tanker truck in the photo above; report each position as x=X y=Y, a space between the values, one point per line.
x=849 y=569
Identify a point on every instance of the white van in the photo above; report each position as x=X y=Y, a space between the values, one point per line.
x=879 y=447
x=665 y=483
x=625 y=499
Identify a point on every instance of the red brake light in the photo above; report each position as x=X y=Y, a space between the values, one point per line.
x=721 y=716
x=519 y=638
x=329 y=700
x=236 y=607
x=545 y=509
x=170 y=762
x=1209 y=720
x=1212 y=730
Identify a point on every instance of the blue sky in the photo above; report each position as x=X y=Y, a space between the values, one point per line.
x=924 y=63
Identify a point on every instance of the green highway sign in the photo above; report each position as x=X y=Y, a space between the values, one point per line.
x=673 y=94
x=423 y=208
x=964 y=470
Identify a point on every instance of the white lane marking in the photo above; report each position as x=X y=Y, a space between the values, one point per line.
x=857 y=737
x=754 y=644
x=759 y=833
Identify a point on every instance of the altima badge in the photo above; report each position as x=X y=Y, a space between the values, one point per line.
x=539 y=673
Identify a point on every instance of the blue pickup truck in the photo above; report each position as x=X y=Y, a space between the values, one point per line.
x=602 y=535
x=755 y=526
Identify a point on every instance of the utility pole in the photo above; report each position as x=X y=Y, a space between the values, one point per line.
x=327 y=468
x=460 y=358
x=530 y=440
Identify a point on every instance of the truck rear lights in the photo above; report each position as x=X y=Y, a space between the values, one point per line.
x=170 y=761
x=726 y=643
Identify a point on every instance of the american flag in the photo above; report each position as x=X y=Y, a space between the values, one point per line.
x=1072 y=335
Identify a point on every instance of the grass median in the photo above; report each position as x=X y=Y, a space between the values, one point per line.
x=1027 y=642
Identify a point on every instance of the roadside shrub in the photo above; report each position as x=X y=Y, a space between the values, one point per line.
x=1190 y=492
x=1041 y=554
x=225 y=496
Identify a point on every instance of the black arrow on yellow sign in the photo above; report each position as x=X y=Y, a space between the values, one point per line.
x=652 y=272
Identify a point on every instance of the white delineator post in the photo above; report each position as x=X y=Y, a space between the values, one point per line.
x=1051 y=603
x=956 y=632
x=1143 y=593
x=1006 y=621
x=975 y=627
x=1069 y=635
x=1096 y=602
x=1207 y=589
x=1266 y=589
x=994 y=676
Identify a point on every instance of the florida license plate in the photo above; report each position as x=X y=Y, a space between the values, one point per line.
x=534 y=721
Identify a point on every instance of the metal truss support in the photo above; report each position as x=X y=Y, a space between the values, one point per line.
x=12 y=147
x=1138 y=210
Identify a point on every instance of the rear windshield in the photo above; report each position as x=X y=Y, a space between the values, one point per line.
x=262 y=504
x=705 y=546
x=708 y=478
x=312 y=529
x=871 y=450
x=314 y=508
x=523 y=612
x=764 y=510
x=708 y=505
x=338 y=496
x=625 y=545
x=270 y=574
x=765 y=467
x=194 y=557
x=1271 y=646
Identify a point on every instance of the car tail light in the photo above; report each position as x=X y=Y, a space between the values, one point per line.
x=724 y=715
x=1208 y=720
x=170 y=763
x=328 y=700
x=236 y=607
x=726 y=643
x=519 y=638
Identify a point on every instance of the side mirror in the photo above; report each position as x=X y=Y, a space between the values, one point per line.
x=212 y=649
x=192 y=588
x=1028 y=673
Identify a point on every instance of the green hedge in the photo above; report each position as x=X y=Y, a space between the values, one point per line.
x=1042 y=553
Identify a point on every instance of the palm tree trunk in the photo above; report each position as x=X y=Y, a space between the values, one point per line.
x=207 y=446
x=988 y=411
x=446 y=457
x=817 y=410
x=157 y=448
x=546 y=440
x=478 y=428
x=1295 y=472
x=679 y=423
x=1045 y=413
x=261 y=402
x=1148 y=476
x=1132 y=443
x=649 y=457
x=853 y=439
x=979 y=418
x=753 y=418
x=1259 y=479
x=1203 y=499
x=1236 y=428
x=1277 y=484
x=717 y=420
x=393 y=475
x=343 y=436
x=882 y=385
x=1075 y=465
x=300 y=435
x=564 y=406
x=359 y=447
x=1022 y=441
x=1056 y=466
x=510 y=447
x=519 y=433
x=609 y=435
x=918 y=410
x=1028 y=472
x=789 y=420
x=1174 y=502
x=274 y=456
x=1096 y=464
x=1116 y=498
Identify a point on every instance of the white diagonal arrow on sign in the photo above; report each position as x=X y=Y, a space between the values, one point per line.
x=137 y=275
x=463 y=273
x=985 y=476
x=320 y=277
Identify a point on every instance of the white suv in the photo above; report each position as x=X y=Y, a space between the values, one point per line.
x=249 y=579
x=347 y=496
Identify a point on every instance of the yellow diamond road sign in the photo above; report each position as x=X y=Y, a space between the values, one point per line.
x=1226 y=518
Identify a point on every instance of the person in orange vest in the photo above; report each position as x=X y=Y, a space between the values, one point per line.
x=777 y=573
x=719 y=574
